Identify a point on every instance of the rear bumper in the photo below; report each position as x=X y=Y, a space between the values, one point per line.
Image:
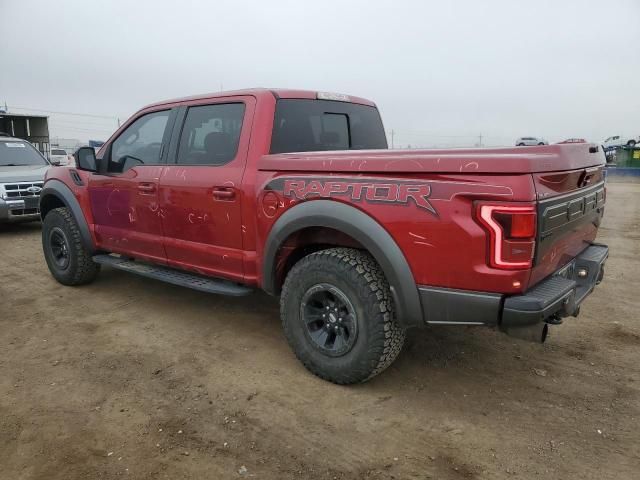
x=558 y=296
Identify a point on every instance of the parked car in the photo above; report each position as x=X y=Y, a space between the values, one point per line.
x=620 y=141
x=573 y=140
x=295 y=193
x=22 y=170
x=528 y=141
x=58 y=156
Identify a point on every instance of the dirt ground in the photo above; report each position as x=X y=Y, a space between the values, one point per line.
x=132 y=378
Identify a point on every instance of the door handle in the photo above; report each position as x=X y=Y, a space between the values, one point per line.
x=224 y=193
x=146 y=187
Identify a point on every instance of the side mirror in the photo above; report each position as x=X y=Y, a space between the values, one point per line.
x=86 y=159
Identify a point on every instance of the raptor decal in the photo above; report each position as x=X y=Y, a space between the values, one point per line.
x=370 y=191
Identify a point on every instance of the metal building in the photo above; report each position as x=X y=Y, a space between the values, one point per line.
x=33 y=128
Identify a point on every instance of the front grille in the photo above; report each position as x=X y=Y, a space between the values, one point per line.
x=22 y=189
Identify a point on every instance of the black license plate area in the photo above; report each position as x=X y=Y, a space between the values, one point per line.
x=31 y=202
x=567 y=271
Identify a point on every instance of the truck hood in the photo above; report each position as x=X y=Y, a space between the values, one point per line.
x=28 y=173
x=517 y=160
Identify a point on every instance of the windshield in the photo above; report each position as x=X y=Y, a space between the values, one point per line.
x=315 y=125
x=19 y=154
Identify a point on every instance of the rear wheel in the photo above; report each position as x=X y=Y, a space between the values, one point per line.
x=338 y=316
x=541 y=143
x=631 y=143
x=68 y=260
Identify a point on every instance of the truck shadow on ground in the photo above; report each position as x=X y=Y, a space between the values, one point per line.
x=474 y=354
x=142 y=357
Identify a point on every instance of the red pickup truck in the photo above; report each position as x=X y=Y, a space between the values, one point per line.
x=295 y=192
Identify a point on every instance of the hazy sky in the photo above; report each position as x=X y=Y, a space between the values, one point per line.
x=441 y=72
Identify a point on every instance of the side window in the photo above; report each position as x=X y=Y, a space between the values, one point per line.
x=140 y=143
x=211 y=134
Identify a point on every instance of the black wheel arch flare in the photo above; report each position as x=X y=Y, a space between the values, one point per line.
x=362 y=228
x=56 y=189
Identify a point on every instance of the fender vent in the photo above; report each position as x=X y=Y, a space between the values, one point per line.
x=76 y=178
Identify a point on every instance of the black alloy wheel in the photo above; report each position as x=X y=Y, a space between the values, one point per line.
x=67 y=256
x=330 y=319
x=59 y=246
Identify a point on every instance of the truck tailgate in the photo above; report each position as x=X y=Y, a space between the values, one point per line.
x=570 y=209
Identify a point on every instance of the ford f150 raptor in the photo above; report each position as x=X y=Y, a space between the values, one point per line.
x=295 y=192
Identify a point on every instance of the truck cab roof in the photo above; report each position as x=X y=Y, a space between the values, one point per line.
x=261 y=92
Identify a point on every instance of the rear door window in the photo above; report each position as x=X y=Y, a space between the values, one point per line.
x=211 y=134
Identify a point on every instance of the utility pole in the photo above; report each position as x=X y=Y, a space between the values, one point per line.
x=392 y=135
x=480 y=143
x=118 y=122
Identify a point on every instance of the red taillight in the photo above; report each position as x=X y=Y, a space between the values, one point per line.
x=512 y=232
x=516 y=224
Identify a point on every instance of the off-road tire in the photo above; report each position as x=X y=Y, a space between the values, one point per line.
x=80 y=269
x=379 y=337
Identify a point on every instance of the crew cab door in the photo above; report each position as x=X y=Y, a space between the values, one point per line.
x=124 y=192
x=201 y=188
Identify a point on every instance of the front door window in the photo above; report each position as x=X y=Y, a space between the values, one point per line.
x=140 y=144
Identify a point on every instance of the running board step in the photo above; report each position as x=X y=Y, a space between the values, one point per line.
x=176 y=277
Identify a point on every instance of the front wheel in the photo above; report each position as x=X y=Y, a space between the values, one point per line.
x=338 y=315
x=67 y=258
x=631 y=143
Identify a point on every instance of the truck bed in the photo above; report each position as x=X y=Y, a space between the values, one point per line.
x=509 y=160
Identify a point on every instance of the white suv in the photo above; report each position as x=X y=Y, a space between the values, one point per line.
x=620 y=141
x=522 y=141
x=58 y=156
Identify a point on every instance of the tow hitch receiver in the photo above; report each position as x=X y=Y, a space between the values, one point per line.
x=555 y=298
